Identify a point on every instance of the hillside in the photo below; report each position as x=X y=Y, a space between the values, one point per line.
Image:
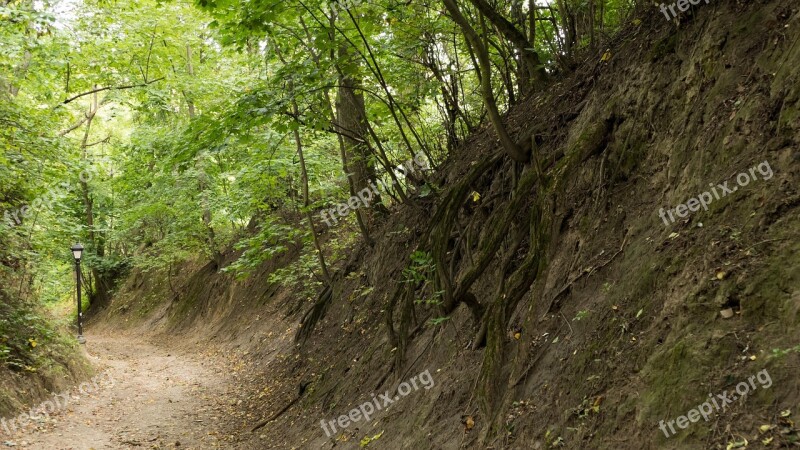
x=614 y=319
x=459 y=224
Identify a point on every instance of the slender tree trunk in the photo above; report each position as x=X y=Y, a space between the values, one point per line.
x=511 y=148
x=306 y=202
x=304 y=181
x=329 y=107
x=19 y=72
x=394 y=107
x=99 y=290
x=510 y=32
x=203 y=182
x=190 y=71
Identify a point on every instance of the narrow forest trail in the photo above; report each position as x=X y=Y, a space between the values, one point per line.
x=146 y=396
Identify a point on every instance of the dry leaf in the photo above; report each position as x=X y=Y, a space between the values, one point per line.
x=469 y=423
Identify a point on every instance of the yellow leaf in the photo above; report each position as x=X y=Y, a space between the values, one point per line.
x=767 y=441
x=737 y=444
x=786 y=413
x=606 y=56
x=637 y=22
x=475 y=196
x=517 y=335
x=469 y=423
x=764 y=428
x=33 y=342
x=596 y=404
x=721 y=275
x=364 y=442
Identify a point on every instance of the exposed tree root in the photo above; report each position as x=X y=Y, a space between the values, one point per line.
x=315 y=314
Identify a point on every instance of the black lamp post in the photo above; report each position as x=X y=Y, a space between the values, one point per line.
x=77 y=252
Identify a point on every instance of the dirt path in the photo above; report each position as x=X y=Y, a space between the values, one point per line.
x=144 y=396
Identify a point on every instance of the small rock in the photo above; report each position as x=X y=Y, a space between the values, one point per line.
x=726 y=313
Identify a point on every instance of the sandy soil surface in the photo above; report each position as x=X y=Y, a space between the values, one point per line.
x=143 y=396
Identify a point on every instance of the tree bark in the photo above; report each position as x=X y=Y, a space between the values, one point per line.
x=351 y=117
x=510 y=32
x=484 y=66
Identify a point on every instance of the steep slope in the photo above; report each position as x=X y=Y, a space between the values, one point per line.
x=39 y=356
x=594 y=315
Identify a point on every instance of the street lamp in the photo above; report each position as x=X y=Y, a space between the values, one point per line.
x=77 y=252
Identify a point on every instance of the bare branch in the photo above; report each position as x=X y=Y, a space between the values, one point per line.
x=74 y=127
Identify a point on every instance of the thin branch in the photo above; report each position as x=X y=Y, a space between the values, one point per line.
x=74 y=127
x=109 y=88
x=149 y=53
x=101 y=141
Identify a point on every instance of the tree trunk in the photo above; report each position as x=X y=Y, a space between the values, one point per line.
x=510 y=32
x=351 y=120
x=484 y=66
x=304 y=175
x=98 y=293
x=190 y=71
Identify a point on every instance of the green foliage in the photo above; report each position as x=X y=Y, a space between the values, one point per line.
x=299 y=275
x=780 y=353
x=580 y=315
x=272 y=240
x=439 y=320
x=23 y=335
x=420 y=268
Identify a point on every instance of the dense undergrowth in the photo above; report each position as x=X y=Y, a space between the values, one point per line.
x=38 y=351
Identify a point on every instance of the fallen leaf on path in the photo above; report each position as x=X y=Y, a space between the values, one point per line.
x=364 y=442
